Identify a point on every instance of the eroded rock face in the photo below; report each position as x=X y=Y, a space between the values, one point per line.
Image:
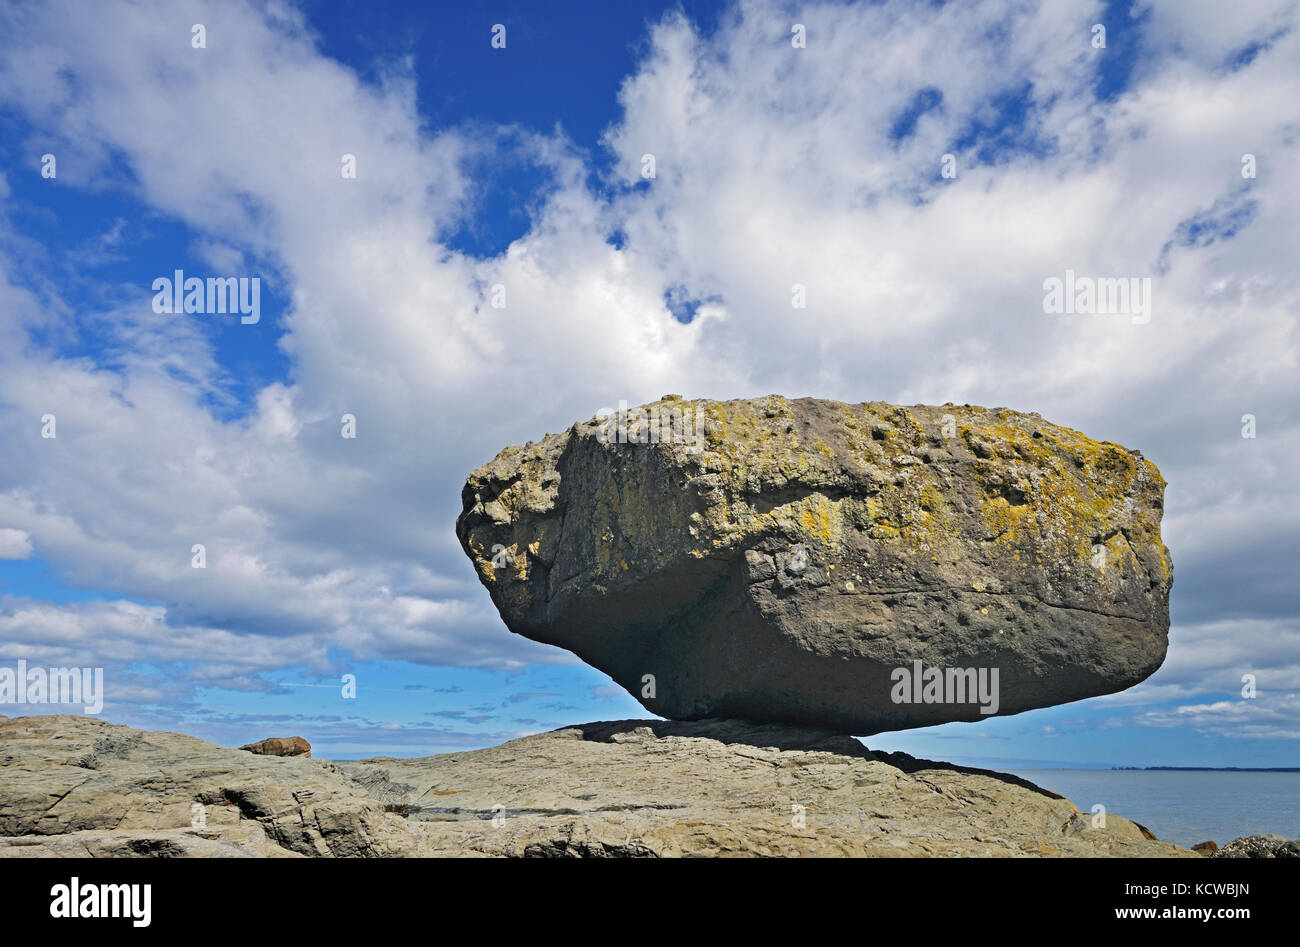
x=77 y=786
x=792 y=560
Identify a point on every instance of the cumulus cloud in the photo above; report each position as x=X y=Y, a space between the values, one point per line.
x=775 y=166
x=15 y=544
x=1235 y=719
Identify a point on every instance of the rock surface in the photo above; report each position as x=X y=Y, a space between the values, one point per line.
x=782 y=565
x=1260 y=846
x=78 y=785
x=279 y=746
x=74 y=785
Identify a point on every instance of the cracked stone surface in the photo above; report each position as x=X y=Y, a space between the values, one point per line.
x=75 y=785
x=783 y=565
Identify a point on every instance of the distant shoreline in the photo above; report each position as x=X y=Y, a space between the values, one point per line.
x=1208 y=769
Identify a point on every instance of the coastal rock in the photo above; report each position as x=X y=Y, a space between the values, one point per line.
x=1146 y=833
x=653 y=788
x=78 y=785
x=622 y=788
x=1260 y=846
x=818 y=563
x=279 y=746
x=1206 y=848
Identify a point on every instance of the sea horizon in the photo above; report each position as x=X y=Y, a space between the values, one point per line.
x=1184 y=806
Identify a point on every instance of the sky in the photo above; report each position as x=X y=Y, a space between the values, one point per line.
x=1169 y=152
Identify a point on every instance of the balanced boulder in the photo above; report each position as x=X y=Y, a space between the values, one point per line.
x=859 y=567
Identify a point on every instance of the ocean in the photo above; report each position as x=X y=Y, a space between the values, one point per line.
x=1184 y=807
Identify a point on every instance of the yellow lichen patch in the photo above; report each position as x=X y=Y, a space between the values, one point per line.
x=880 y=521
x=817 y=522
x=917 y=481
x=1004 y=520
x=931 y=499
x=1069 y=490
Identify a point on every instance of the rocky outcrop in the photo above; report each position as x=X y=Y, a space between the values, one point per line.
x=1260 y=846
x=279 y=746
x=78 y=785
x=74 y=785
x=859 y=567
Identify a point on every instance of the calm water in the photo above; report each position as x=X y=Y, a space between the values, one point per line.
x=1185 y=808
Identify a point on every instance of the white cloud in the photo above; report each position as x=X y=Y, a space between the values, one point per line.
x=775 y=166
x=1277 y=719
x=15 y=544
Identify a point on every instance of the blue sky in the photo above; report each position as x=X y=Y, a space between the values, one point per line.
x=522 y=166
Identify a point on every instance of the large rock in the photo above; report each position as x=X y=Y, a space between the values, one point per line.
x=279 y=746
x=792 y=560
x=625 y=788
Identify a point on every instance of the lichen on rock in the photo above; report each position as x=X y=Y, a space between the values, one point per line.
x=959 y=536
